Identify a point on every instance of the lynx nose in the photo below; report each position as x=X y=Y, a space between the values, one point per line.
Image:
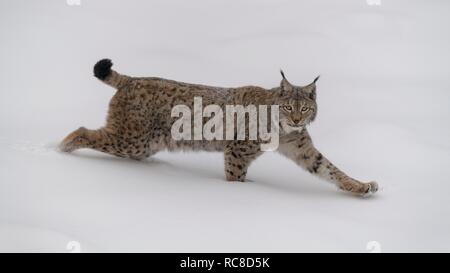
x=296 y=121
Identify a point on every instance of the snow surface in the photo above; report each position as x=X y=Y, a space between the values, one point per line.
x=383 y=115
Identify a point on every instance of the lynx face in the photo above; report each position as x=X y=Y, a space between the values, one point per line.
x=298 y=105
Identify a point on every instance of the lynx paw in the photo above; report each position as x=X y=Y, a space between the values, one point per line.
x=73 y=141
x=359 y=188
x=372 y=187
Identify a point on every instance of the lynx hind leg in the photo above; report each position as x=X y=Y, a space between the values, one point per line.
x=99 y=140
x=238 y=157
x=103 y=141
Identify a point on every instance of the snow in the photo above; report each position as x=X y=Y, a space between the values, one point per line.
x=383 y=115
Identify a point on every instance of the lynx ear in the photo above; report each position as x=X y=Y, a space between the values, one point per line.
x=317 y=78
x=311 y=88
x=285 y=85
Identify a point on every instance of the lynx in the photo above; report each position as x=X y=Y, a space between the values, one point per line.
x=139 y=124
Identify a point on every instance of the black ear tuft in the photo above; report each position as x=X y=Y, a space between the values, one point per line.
x=284 y=84
x=316 y=79
x=282 y=74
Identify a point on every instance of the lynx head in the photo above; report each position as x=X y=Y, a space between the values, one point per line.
x=297 y=104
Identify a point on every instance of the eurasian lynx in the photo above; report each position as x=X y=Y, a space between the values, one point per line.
x=139 y=124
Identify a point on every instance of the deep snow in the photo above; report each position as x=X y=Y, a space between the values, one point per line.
x=384 y=115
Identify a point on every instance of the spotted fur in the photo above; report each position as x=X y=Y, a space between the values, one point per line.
x=139 y=124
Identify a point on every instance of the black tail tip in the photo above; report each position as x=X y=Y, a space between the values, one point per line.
x=102 y=69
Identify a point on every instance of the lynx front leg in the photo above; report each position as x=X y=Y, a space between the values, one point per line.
x=299 y=148
x=238 y=157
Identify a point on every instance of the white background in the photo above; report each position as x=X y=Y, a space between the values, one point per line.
x=383 y=115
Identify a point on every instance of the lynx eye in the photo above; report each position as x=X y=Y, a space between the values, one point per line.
x=287 y=108
x=304 y=109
